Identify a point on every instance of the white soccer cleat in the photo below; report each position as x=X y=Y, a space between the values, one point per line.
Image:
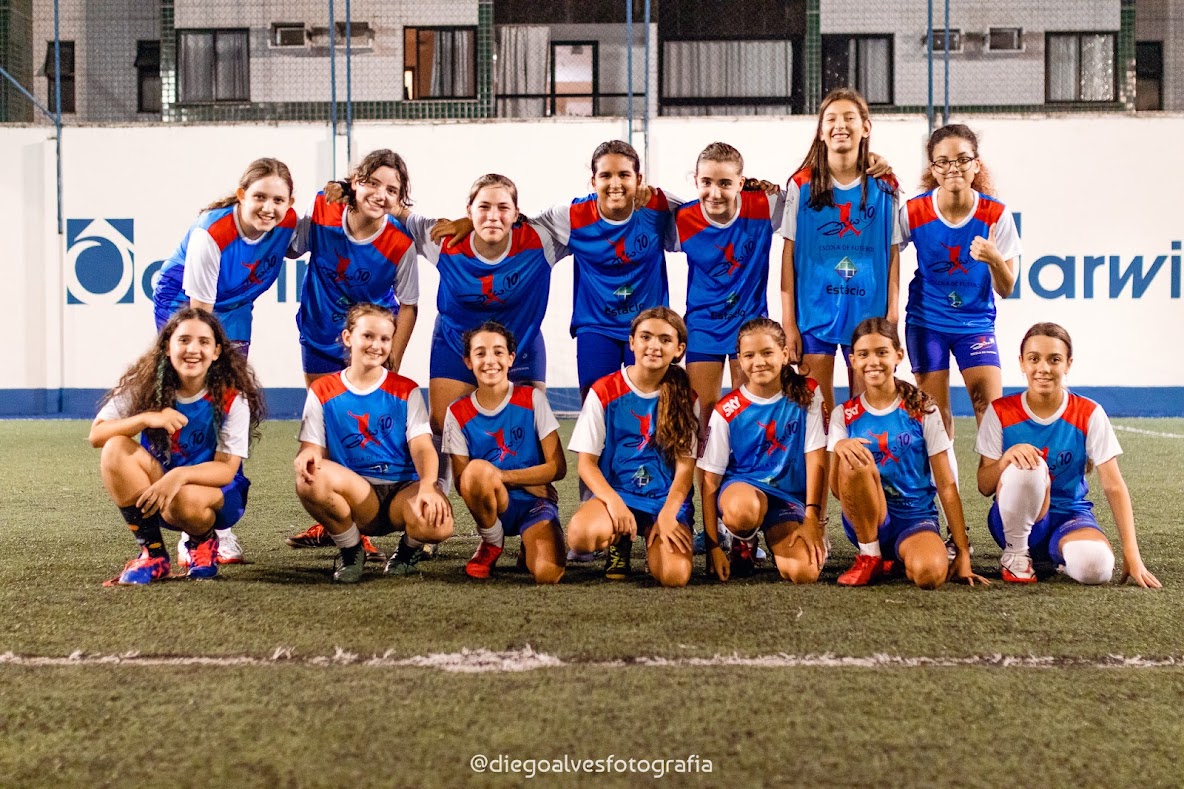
x=183 y=553
x=1017 y=567
x=229 y=549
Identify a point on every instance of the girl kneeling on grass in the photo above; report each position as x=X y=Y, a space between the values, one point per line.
x=636 y=439
x=886 y=442
x=504 y=444
x=1035 y=448
x=366 y=461
x=765 y=461
x=195 y=404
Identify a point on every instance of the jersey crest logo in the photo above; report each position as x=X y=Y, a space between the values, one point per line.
x=982 y=343
x=642 y=477
x=731 y=300
x=366 y=437
x=342 y=268
x=771 y=441
x=253 y=275
x=645 y=429
x=623 y=257
x=623 y=293
x=954 y=263
x=499 y=437
x=730 y=255
x=178 y=452
x=487 y=293
x=845 y=225
x=846 y=268
x=882 y=448
x=954 y=299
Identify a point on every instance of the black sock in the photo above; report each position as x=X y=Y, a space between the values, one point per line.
x=194 y=540
x=350 y=555
x=146 y=530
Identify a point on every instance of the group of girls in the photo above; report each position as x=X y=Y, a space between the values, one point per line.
x=368 y=463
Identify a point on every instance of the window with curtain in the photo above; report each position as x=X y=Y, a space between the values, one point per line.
x=860 y=62
x=1081 y=67
x=439 y=62
x=522 y=72
x=727 y=69
x=212 y=66
x=48 y=69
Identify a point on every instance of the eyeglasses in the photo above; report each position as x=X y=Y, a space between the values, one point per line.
x=962 y=162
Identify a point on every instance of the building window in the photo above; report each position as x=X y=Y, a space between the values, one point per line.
x=212 y=66
x=1081 y=67
x=288 y=34
x=67 y=58
x=939 y=40
x=148 y=76
x=1005 y=39
x=1149 y=75
x=733 y=77
x=439 y=63
x=574 y=83
x=860 y=62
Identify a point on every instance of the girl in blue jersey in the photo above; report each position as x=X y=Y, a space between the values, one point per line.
x=840 y=263
x=504 y=444
x=890 y=459
x=232 y=254
x=359 y=253
x=196 y=405
x=966 y=243
x=764 y=463
x=500 y=272
x=636 y=438
x=366 y=462
x=1035 y=449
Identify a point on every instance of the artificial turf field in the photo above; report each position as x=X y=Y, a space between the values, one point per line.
x=271 y=676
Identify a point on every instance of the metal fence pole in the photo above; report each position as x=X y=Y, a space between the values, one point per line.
x=945 y=117
x=929 y=62
x=629 y=68
x=57 y=116
x=333 y=89
x=349 y=89
x=645 y=115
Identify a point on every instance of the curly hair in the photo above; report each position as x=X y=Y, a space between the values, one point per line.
x=795 y=385
x=678 y=427
x=982 y=183
x=151 y=382
x=916 y=402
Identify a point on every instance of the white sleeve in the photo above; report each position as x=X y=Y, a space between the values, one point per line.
x=1007 y=239
x=300 y=236
x=902 y=224
x=454 y=442
x=937 y=440
x=896 y=234
x=417 y=416
x=407 y=277
x=589 y=432
x=203 y=260
x=815 y=426
x=989 y=441
x=118 y=407
x=674 y=201
x=553 y=251
x=312 y=421
x=545 y=422
x=718 y=448
x=235 y=436
x=420 y=228
x=1101 y=444
x=556 y=220
x=777 y=210
x=838 y=429
x=789 y=216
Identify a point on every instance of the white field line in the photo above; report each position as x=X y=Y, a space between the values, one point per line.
x=1143 y=432
x=477 y=661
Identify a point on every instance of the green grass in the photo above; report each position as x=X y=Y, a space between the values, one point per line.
x=296 y=723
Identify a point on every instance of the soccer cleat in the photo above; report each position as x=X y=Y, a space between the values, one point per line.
x=741 y=558
x=617 y=558
x=144 y=569
x=481 y=565
x=865 y=570
x=229 y=549
x=183 y=553
x=350 y=564
x=892 y=567
x=405 y=561
x=581 y=558
x=952 y=549
x=203 y=558
x=372 y=553
x=314 y=536
x=1017 y=567
x=699 y=543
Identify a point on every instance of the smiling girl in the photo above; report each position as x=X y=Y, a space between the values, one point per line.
x=1035 y=449
x=195 y=405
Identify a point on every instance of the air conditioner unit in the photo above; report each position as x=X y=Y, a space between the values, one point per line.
x=285 y=34
x=1005 y=39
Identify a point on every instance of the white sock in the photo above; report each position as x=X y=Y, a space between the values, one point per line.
x=870 y=548
x=1088 y=561
x=348 y=538
x=494 y=534
x=411 y=541
x=1020 y=497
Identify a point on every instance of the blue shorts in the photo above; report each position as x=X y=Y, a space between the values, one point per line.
x=234 y=504
x=1045 y=540
x=316 y=362
x=929 y=350
x=816 y=347
x=686 y=516
x=892 y=533
x=598 y=355
x=719 y=358
x=530 y=364
x=778 y=510
x=526 y=511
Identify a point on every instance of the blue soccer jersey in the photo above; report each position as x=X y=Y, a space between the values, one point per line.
x=620 y=267
x=1079 y=432
x=728 y=270
x=951 y=291
x=901 y=444
x=509 y=437
x=619 y=424
x=216 y=264
x=764 y=442
x=841 y=255
x=343 y=271
x=367 y=431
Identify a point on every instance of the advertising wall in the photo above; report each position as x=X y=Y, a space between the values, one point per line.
x=1095 y=199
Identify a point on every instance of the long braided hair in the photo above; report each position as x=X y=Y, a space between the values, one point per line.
x=151 y=382
x=678 y=427
x=916 y=402
x=795 y=385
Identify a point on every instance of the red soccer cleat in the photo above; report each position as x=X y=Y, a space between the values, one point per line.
x=865 y=570
x=481 y=565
